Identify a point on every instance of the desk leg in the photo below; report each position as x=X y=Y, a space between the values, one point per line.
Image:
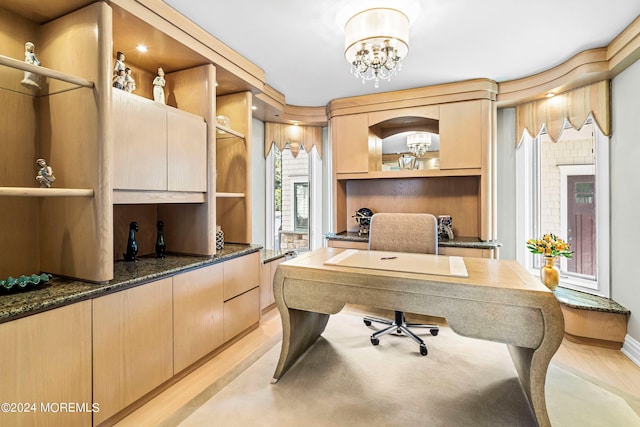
x=300 y=329
x=532 y=369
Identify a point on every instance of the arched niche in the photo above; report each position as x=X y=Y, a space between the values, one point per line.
x=391 y=136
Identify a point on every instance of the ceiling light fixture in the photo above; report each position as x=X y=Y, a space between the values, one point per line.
x=375 y=42
x=141 y=48
x=419 y=143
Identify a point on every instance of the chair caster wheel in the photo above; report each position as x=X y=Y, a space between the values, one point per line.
x=375 y=341
x=423 y=350
x=433 y=332
x=367 y=322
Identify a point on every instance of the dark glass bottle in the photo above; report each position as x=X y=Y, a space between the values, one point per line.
x=161 y=246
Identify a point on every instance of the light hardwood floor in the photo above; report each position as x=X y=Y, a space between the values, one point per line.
x=608 y=366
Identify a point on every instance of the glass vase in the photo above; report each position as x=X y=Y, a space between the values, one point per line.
x=549 y=273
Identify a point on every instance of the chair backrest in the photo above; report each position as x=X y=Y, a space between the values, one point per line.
x=404 y=232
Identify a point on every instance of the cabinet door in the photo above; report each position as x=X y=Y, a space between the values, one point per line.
x=274 y=267
x=186 y=152
x=46 y=359
x=197 y=315
x=241 y=274
x=462 y=131
x=267 y=271
x=240 y=313
x=132 y=345
x=139 y=143
x=350 y=139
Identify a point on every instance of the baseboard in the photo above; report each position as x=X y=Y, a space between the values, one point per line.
x=631 y=349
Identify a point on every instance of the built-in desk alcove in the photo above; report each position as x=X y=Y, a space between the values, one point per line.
x=456 y=196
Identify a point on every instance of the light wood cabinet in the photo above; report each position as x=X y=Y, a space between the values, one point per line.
x=463 y=132
x=241 y=274
x=132 y=345
x=267 y=271
x=241 y=312
x=468 y=252
x=241 y=294
x=197 y=314
x=350 y=135
x=157 y=147
x=46 y=359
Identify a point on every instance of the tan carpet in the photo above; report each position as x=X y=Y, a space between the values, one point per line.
x=345 y=381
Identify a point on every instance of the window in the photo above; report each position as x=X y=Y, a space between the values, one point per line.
x=301 y=206
x=563 y=188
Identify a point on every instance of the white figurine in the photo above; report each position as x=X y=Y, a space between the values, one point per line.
x=129 y=82
x=118 y=65
x=31 y=80
x=119 y=79
x=158 y=86
x=45 y=174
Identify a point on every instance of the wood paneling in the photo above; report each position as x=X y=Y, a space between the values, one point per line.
x=455 y=196
x=186 y=152
x=197 y=314
x=132 y=345
x=47 y=359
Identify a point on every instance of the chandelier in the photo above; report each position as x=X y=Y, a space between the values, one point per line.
x=375 y=42
x=419 y=143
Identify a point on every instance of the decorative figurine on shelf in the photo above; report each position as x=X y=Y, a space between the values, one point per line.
x=118 y=65
x=158 y=86
x=31 y=80
x=219 y=238
x=161 y=246
x=119 y=79
x=129 y=82
x=132 y=245
x=45 y=174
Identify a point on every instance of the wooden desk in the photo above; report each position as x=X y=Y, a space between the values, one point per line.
x=499 y=301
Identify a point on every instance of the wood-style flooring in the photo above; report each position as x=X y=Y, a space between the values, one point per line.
x=608 y=366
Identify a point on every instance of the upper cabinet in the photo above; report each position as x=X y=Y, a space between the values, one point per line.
x=465 y=128
x=351 y=148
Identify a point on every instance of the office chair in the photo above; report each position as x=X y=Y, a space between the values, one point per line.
x=403 y=232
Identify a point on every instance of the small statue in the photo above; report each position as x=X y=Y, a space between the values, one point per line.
x=119 y=79
x=45 y=174
x=161 y=246
x=118 y=65
x=31 y=80
x=158 y=86
x=132 y=245
x=129 y=82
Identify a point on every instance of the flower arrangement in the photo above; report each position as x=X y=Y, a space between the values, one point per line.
x=550 y=245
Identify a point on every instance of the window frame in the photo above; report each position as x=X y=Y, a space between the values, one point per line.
x=527 y=221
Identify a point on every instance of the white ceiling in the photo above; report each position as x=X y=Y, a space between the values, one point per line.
x=300 y=44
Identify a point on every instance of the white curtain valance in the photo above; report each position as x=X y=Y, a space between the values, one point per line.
x=574 y=106
x=296 y=136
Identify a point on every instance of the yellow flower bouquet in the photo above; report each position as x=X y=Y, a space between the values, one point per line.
x=550 y=245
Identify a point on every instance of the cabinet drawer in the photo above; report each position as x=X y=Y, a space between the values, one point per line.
x=240 y=275
x=241 y=312
x=467 y=252
x=347 y=244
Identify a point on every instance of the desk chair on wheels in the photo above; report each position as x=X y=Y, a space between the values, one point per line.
x=403 y=232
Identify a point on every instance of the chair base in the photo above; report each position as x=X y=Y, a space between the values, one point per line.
x=400 y=326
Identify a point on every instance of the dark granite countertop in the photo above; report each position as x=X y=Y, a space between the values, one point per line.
x=60 y=291
x=457 y=242
x=583 y=301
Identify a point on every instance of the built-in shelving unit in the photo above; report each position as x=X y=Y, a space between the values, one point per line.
x=225 y=132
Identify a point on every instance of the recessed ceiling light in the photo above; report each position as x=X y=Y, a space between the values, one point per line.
x=141 y=48
x=253 y=107
x=550 y=95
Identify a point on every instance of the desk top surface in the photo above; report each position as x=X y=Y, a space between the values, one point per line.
x=482 y=272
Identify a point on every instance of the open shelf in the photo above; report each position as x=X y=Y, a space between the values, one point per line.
x=425 y=173
x=12 y=72
x=45 y=192
x=228 y=132
x=221 y=194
